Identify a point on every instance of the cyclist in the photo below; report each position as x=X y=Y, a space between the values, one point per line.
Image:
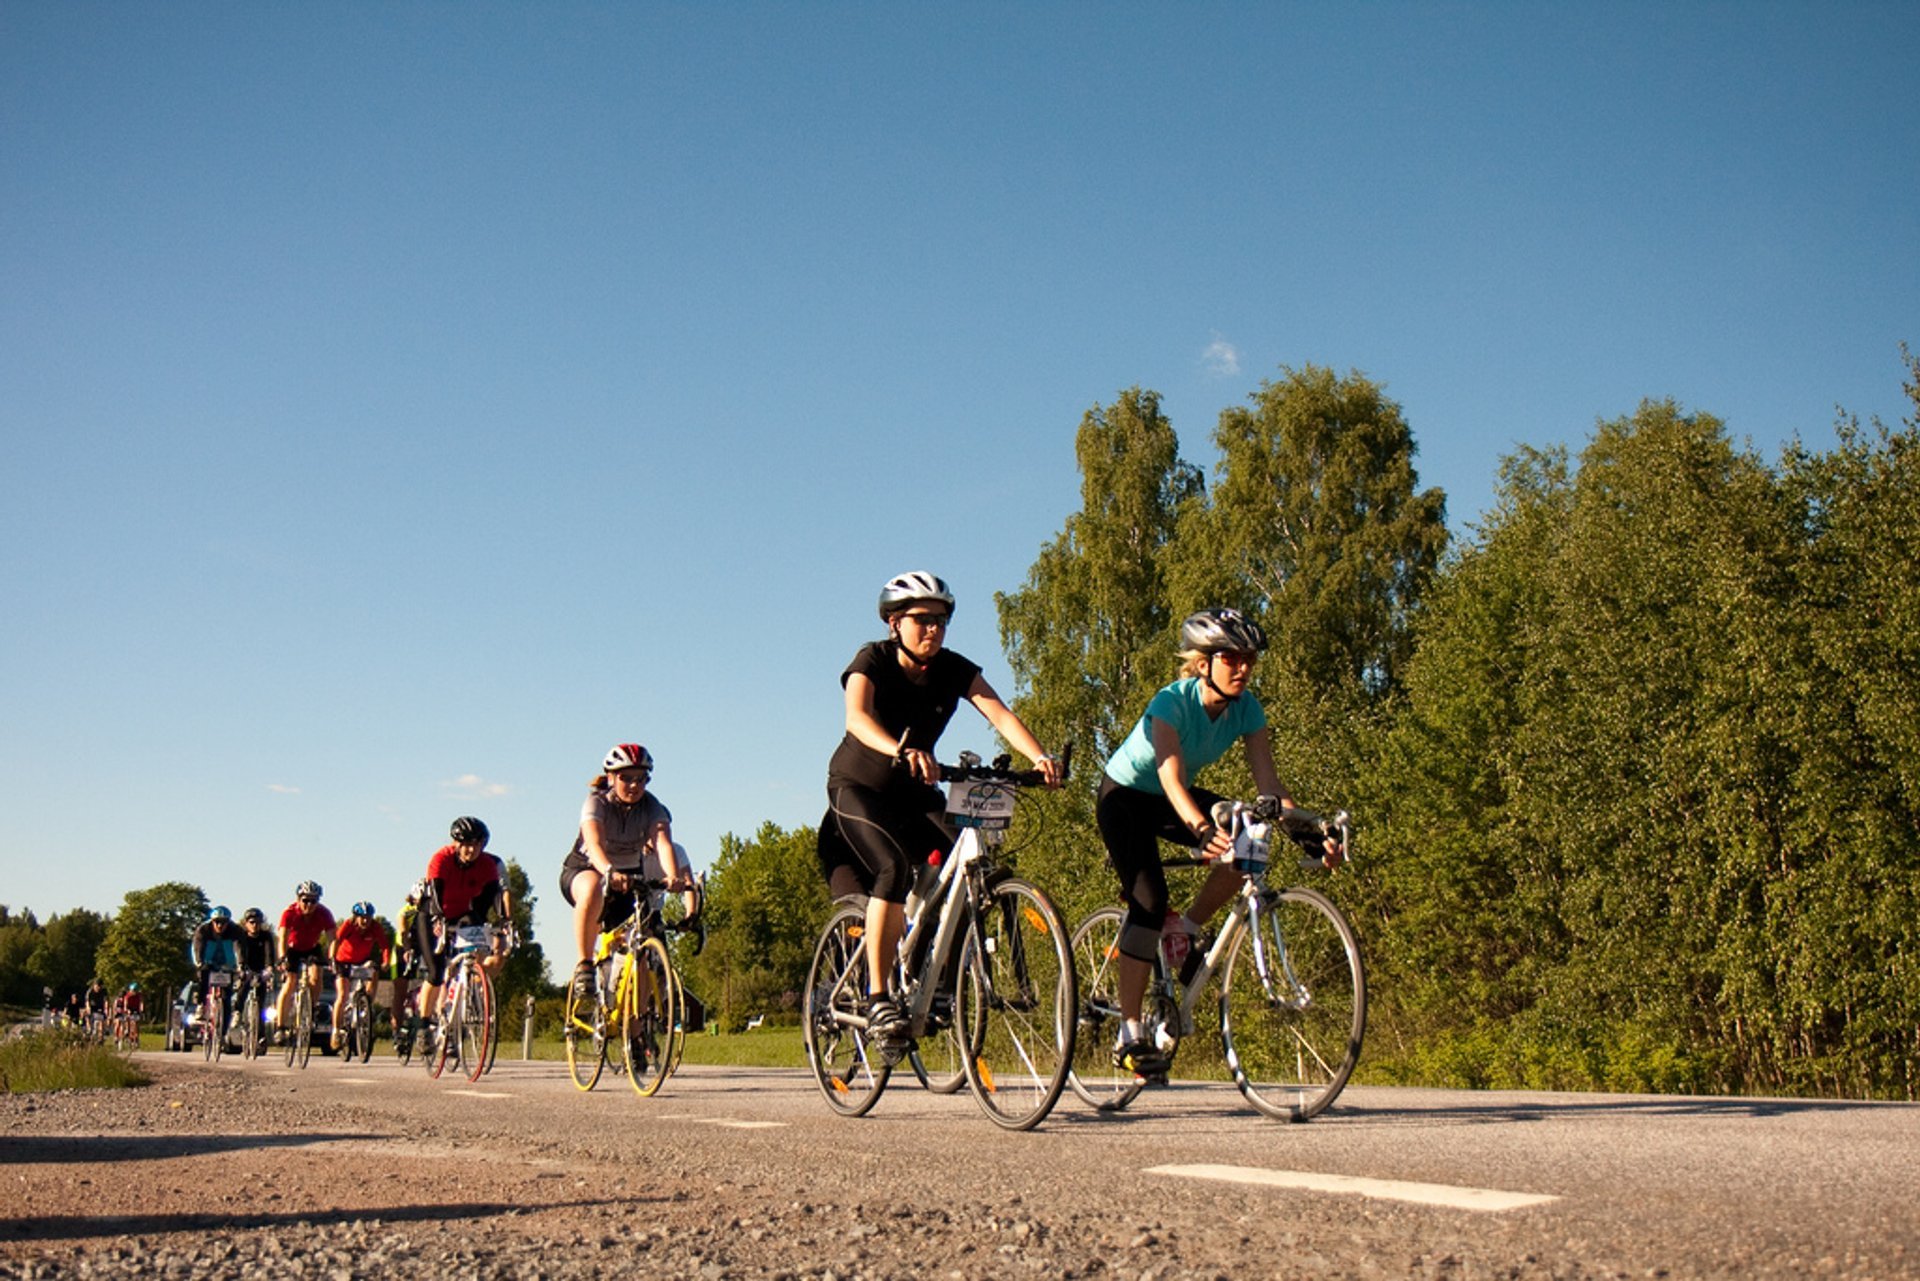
x=625 y=833
x=885 y=818
x=464 y=882
x=359 y=937
x=1147 y=795
x=214 y=947
x=255 y=950
x=306 y=928
x=95 y=1005
x=133 y=1005
x=406 y=952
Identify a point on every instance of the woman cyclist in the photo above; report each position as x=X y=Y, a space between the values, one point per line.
x=885 y=817
x=360 y=937
x=625 y=834
x=1147 y=795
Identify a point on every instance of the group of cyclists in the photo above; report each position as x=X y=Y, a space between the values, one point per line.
x=884 y=823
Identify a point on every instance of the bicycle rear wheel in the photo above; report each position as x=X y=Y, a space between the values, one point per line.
x=677 y=1034
x=1293 y=1004
x=646 y=1023
x=585 y=1035
x=214 y=1029
x=1096 y=964
x=1017 y=982
x=475 y=1032
x=850 y=1079
x=250 y=1024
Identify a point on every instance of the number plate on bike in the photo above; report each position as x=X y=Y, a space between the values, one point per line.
x=472 y=938
x=980 y=804
x=218 y=978
x=360 y=972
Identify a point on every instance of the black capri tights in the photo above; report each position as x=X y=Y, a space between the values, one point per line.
x=891 y=832
x=1132 y=824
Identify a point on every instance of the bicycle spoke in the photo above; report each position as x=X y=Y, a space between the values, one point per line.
x=1096 y=964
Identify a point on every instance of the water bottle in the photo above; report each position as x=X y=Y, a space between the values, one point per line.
x=1174 y=941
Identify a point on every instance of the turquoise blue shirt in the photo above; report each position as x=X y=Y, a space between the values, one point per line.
x=1203 y=740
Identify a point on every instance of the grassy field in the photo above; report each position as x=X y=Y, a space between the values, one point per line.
x=59 y=1059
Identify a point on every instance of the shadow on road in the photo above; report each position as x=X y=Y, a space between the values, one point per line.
x=77 y=1227
x=1511 y=1111
x=52 y=1149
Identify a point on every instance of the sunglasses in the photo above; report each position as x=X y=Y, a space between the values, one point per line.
x=634 y=776
x=929 y=621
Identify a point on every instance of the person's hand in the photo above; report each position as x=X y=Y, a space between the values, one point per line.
x=1051 y=770
x=921 y=765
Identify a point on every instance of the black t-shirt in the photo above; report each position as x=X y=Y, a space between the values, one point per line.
x=902 y=706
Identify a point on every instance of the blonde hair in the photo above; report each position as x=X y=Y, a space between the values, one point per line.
x=1193 y=662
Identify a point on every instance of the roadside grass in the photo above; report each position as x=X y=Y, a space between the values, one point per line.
x=60 y=1059
x=779 y=1047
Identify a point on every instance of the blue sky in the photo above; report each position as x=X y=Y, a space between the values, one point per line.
x=400 y=404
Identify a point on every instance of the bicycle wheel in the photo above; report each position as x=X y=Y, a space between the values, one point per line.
x=476 y=1020
x=850 y=1079
x=1017 y=979
x=585 y=1034
x=1096 y=964
x=1293 y=1004
x=302 y=1026
x=646 y=1024
x=206 y=1026
x=404 y=1036
x=250 y=1024
x=360 y=1034
x=677 y=1033
x=446 y=1022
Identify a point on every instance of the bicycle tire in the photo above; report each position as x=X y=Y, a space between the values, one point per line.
x=206 y=1021
x=250 y=1024
x=850 y=1078
x=1017 y=977
x=303 y=1025
x=1293 y=1004
x=360 y=1040
x=677 y=1035
x=585 y=1035
x=475 y=1020
x=446 y=1040
x=646 y=1025
x=1096 y=964
x=404 y=1035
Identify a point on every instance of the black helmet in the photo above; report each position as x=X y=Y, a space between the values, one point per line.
x=903 y=589
x=1212 y=631
x=468 y=831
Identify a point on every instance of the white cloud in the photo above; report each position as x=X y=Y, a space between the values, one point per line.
x=283 y=789
x=475 y=786
x=1221 y=358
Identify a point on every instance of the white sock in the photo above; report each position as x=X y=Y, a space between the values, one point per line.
x=1132 y=1031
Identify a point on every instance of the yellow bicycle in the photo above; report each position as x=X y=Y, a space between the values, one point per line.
x=634 y=1008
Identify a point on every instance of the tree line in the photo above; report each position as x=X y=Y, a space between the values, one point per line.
x=1635 y=764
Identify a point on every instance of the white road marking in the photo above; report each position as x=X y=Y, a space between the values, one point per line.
x=1387 y=1189
x=481 y=1094
x=357 y=1080
x=731 y=1124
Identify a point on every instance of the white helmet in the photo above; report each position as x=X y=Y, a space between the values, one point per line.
x=627 y=756
x=904 y=589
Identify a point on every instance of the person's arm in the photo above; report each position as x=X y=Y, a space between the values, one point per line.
x=676 y=876
x=866 y=728
x=1172 y=770
x=1259 y=749
x=1010 y=727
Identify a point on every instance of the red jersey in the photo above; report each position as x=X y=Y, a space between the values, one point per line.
x=301 y=931
x=461 y=883
x=355 y=943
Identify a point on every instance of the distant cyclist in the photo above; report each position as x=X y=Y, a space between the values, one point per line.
x=406 y=952
x=306 y=928
x=626 y=833
x=360 y=937
x=885 y=817
x=255 y=947
x=464 y=885
x=1147 y=795
x=215 y=946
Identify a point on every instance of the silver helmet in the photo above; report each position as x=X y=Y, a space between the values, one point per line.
x=1213 y=631
x=903 y=589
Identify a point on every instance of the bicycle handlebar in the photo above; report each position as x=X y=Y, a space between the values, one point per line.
x=1001 y=771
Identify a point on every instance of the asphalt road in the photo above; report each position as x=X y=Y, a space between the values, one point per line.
x=1390 y=1182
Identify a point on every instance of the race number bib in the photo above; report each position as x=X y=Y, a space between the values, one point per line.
x=981 y=804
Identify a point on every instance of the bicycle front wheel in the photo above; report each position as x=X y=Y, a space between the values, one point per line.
x=646 y=1019
x=1096 y=965
x=849 y=1076
x=1293 y=1004
x=302 y=1048
x=1017 y=985
x=475 y=1020
x=360 y=1039
x=250 y=1025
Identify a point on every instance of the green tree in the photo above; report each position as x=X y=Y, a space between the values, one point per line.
x=150 y=937
x=1316 y=526
x=765 y=905
x=20 y=936
x=525 y=973
x=66 y=958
